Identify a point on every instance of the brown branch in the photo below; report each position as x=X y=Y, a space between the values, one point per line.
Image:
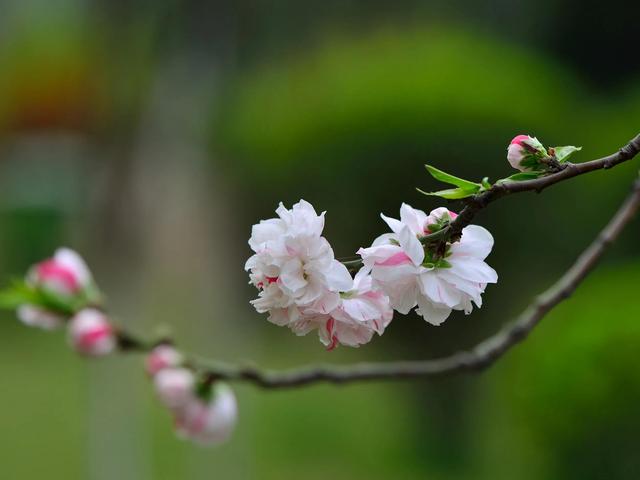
x=486 y=352
x=481 y=356
x=476 y=203
x=500 y=189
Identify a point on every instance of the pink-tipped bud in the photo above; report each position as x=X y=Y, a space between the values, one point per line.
x=439 y=218
x=161 y=357
x=208 y=423
x=175 y=387
x=90 y=333
x=65 y=274
x=524 y=152
x=38 y=317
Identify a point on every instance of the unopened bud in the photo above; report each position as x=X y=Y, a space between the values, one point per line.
x=90 y=333
x=524 y=153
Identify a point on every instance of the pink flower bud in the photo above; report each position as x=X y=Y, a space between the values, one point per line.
x=90 y=333
x=161 y=357
x=439 y=218
x=39 y=317
x=523 y=153
x=208 y=423
x=175 y=387
x=65 y=274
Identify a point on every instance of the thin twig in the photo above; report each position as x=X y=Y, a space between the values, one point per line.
x=476 y=203
x=500 y=189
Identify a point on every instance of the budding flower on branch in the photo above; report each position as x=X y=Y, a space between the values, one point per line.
x=161 y=357
x=53 y=291
x=91 y=333
x=66 y=275
x=208 y=422
x=174 y=386
x=439 y=277
x=525 y=153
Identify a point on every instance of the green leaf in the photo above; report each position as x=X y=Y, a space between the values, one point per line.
x=20 y=293
x=523 y=176
x=447 y=178
x=486 y=184
x=563 y=153
x=450 y=194
x=16 y=294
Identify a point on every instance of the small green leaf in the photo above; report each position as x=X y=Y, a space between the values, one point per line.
x=447 y=178
x=523 y=176
x=18 y=293
x=450 y=194
x=563 y=153
x=485 y=183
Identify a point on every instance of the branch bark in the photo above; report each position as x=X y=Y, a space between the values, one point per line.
x=481 y=200
x=486 y=352
x=478 y=202
x=481 y=356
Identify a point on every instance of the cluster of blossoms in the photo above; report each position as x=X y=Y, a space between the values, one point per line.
x=60 y=291
x=436 y=278
x=202 y=414
x=302 y=286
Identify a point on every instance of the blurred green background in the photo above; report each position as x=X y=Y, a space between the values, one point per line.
x=151 y=135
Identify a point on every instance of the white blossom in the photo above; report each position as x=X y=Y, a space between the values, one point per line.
x=436 y=282
x=294 y=267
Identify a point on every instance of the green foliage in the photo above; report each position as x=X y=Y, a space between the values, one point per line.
x=448 y=178
x=20 y=293
x=563 y=153
x=465 y=187
x=349 y=96
x=569 y=394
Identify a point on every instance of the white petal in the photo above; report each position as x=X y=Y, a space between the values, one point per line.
x=475 y=242
x=437 y=290
x=338 y=277
x=472 y=269
x=411 y=245
x=385 y=239
x=292 y=275
x=74 y=262
x=473 y=289
x=404 y=298
x=360 y=309
x=353 y=335
x=265 y=231
x=327 y=302
x=434 y=314
x=394 y=225
x=415 y=219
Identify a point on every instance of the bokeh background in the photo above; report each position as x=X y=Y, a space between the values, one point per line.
x=150 y=135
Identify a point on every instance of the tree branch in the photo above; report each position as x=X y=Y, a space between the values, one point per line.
x=476 y=203
x=500 y=189
x=486 y=352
